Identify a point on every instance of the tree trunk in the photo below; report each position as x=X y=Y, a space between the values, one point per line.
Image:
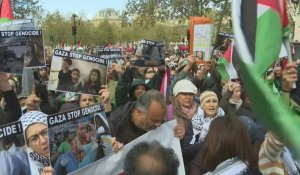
x=220 y=22
x=200 y=3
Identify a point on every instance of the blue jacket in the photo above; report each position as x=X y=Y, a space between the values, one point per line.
x=71 y=165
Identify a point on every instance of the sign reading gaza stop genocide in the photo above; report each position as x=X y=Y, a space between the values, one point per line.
x=91 y=72
x=58 y=119
x=76 y=55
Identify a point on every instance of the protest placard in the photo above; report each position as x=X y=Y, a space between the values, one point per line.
x=27 y=76
x=224 y=40
x=21 y=49
x=77 y=72
x=116 y=160
x=113 y=55
x=78 y=138
x=149 y=54
x=203 y=36
x=13 y=157
x=18 y=24
x=12 y=53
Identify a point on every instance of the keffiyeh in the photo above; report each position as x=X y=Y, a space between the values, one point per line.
x=39 y=158
x=33 y=117
x=233 y=166
x=201 y=124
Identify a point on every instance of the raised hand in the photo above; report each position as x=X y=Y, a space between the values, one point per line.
x=179 y=131
x=289 y=77
x=105 y=94
x=230 y=86
x=32 y=102
x=191 y=59
x=4 y=82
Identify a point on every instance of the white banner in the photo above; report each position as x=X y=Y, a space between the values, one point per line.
x=113 y=164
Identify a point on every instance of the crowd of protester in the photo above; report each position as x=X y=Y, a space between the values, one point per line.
x=218 y=130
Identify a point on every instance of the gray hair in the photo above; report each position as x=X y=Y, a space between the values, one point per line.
x=163 y=161
x=144 y=101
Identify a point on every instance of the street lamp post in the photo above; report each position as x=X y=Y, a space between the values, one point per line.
x=51 y=38
x=74 y=27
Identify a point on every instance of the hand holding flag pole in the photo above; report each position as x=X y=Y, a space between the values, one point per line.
x=287 y=45
x=279 y=117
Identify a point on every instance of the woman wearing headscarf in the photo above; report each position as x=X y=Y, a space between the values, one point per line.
x=35 y=131
x=231 y=100
x=183 y=106
x=199 y=125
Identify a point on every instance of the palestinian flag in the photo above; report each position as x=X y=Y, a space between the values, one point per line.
x=264 y=24
x=79 y=43
x=269 y=30
x=108 y=45
x=62 y=44
x=6 y=13
x=225 y=66
x=166 y=83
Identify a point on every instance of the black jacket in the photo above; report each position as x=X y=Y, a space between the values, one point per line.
x=121 y=125
x=12 y=111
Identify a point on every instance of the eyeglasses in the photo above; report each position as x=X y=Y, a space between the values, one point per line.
x=36 y=137
x=235 y=80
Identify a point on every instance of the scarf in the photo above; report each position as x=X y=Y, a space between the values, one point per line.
x=183 y=115
x=36 y=162
x=237 y=103
x=233 y=166
x=189 y=112
x=39 y=158
x=201 y=124
x=288 y=162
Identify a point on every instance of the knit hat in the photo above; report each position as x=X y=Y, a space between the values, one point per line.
x=184 y=86
x=32 y=117
x=225 y=87
x=207 y=95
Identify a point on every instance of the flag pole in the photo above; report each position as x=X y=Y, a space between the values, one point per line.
x=286 y=43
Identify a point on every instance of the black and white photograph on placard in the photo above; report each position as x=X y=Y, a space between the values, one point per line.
x=21 y=49
x=77 y=72
x=12 y=52
x=113 y=55
x=18 y=24
x=149 y=54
